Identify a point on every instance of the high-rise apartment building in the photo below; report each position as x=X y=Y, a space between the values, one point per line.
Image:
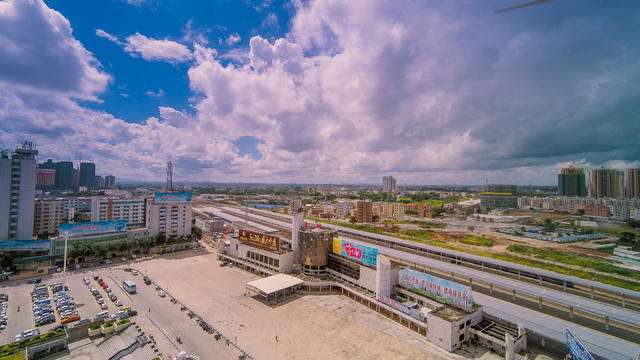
x=45 y=179
x=571 y=182
x=499 y=197
x=388 y=184
x=633 y=184
x=17 y=192
x=109 y=182
x=87 y=175
x=364 y=211
x=606 y=183
x=107 y=209
x=64 y=175
x=48 y=215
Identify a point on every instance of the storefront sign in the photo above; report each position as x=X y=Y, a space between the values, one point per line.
x=261 y=241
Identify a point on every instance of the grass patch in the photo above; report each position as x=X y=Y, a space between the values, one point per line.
x=477 y=241
x=362 y=227
x=420 y=234
x=570 y=258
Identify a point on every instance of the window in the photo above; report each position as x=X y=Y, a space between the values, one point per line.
x=461 y=326
x=461 y=338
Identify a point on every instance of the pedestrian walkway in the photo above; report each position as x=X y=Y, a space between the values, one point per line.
x=173 y=328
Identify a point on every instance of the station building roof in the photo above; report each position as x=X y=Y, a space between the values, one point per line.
x=272 y=284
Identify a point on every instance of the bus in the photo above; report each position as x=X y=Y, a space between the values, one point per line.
x=129 y=286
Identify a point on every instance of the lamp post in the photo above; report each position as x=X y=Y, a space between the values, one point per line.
x=64 y=264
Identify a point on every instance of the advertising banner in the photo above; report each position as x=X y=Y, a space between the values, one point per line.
x=442 y=290
x=25 y=245
x=576 y=349
x=401 y=307
x=357 y=252
x=165 y=198
x=95 y=227
x=261 y=241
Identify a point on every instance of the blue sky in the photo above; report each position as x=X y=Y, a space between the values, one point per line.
x=324 y=91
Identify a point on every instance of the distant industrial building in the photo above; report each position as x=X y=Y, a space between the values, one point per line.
x=606 y=183
x=388 y=184
x=499 y=197
x=571 y=182
x=17 y=192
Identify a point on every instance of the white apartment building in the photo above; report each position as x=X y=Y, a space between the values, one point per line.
x=48 y=215
x=106 y=208
x=169 y=217
x=17 y=192
x=343 y=209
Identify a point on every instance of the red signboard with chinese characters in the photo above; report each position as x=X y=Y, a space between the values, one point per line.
x=261 y=241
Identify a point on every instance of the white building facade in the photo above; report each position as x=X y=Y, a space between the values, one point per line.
x=170 y=218
x=132 y=210
x=17 y=193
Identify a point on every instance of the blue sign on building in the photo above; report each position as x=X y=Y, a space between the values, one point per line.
x=362 y=253
x=95 y=227
x=442 y=290
x=163 y=198
x=576 y=349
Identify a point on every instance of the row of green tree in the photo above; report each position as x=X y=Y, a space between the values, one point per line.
x=125 y=247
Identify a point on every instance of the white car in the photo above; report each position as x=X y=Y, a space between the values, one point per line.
x=117 y=303
x=134 y=272
x=103 y=306
x=161 y=294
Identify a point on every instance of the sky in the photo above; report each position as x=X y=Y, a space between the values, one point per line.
x=324 y=91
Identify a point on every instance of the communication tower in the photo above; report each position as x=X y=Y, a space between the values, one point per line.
x=169 y=176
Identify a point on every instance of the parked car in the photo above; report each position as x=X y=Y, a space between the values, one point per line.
x=69 y=319
x=82 y=321
x=161 y=294
x=134 y=272
x=103 y=306
x=117 y=303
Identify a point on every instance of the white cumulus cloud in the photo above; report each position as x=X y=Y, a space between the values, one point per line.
x=157 y=50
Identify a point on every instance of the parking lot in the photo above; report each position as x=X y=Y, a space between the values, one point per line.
x=86 y=305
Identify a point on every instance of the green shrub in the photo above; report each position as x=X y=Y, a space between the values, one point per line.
x=93 y=328
x=477 y=241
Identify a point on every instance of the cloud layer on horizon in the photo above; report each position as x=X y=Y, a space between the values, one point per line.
x=430 y=92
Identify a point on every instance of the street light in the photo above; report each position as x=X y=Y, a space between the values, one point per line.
x=64 y=264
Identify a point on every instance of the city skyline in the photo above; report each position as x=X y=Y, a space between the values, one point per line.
x=429 y=92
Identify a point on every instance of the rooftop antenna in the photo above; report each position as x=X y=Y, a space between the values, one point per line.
x=169 y=176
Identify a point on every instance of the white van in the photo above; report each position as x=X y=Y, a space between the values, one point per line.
x=102 y=315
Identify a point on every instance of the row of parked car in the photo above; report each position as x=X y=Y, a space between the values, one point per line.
x=65 y=306
x=42 y=308
x=4 y=299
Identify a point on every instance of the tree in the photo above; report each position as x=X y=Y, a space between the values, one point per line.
x=100 y=252
x=196 y=232
x=549 y=225
x=123 y=246
x=375 y=218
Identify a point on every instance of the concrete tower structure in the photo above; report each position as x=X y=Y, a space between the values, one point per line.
x=17 y=192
